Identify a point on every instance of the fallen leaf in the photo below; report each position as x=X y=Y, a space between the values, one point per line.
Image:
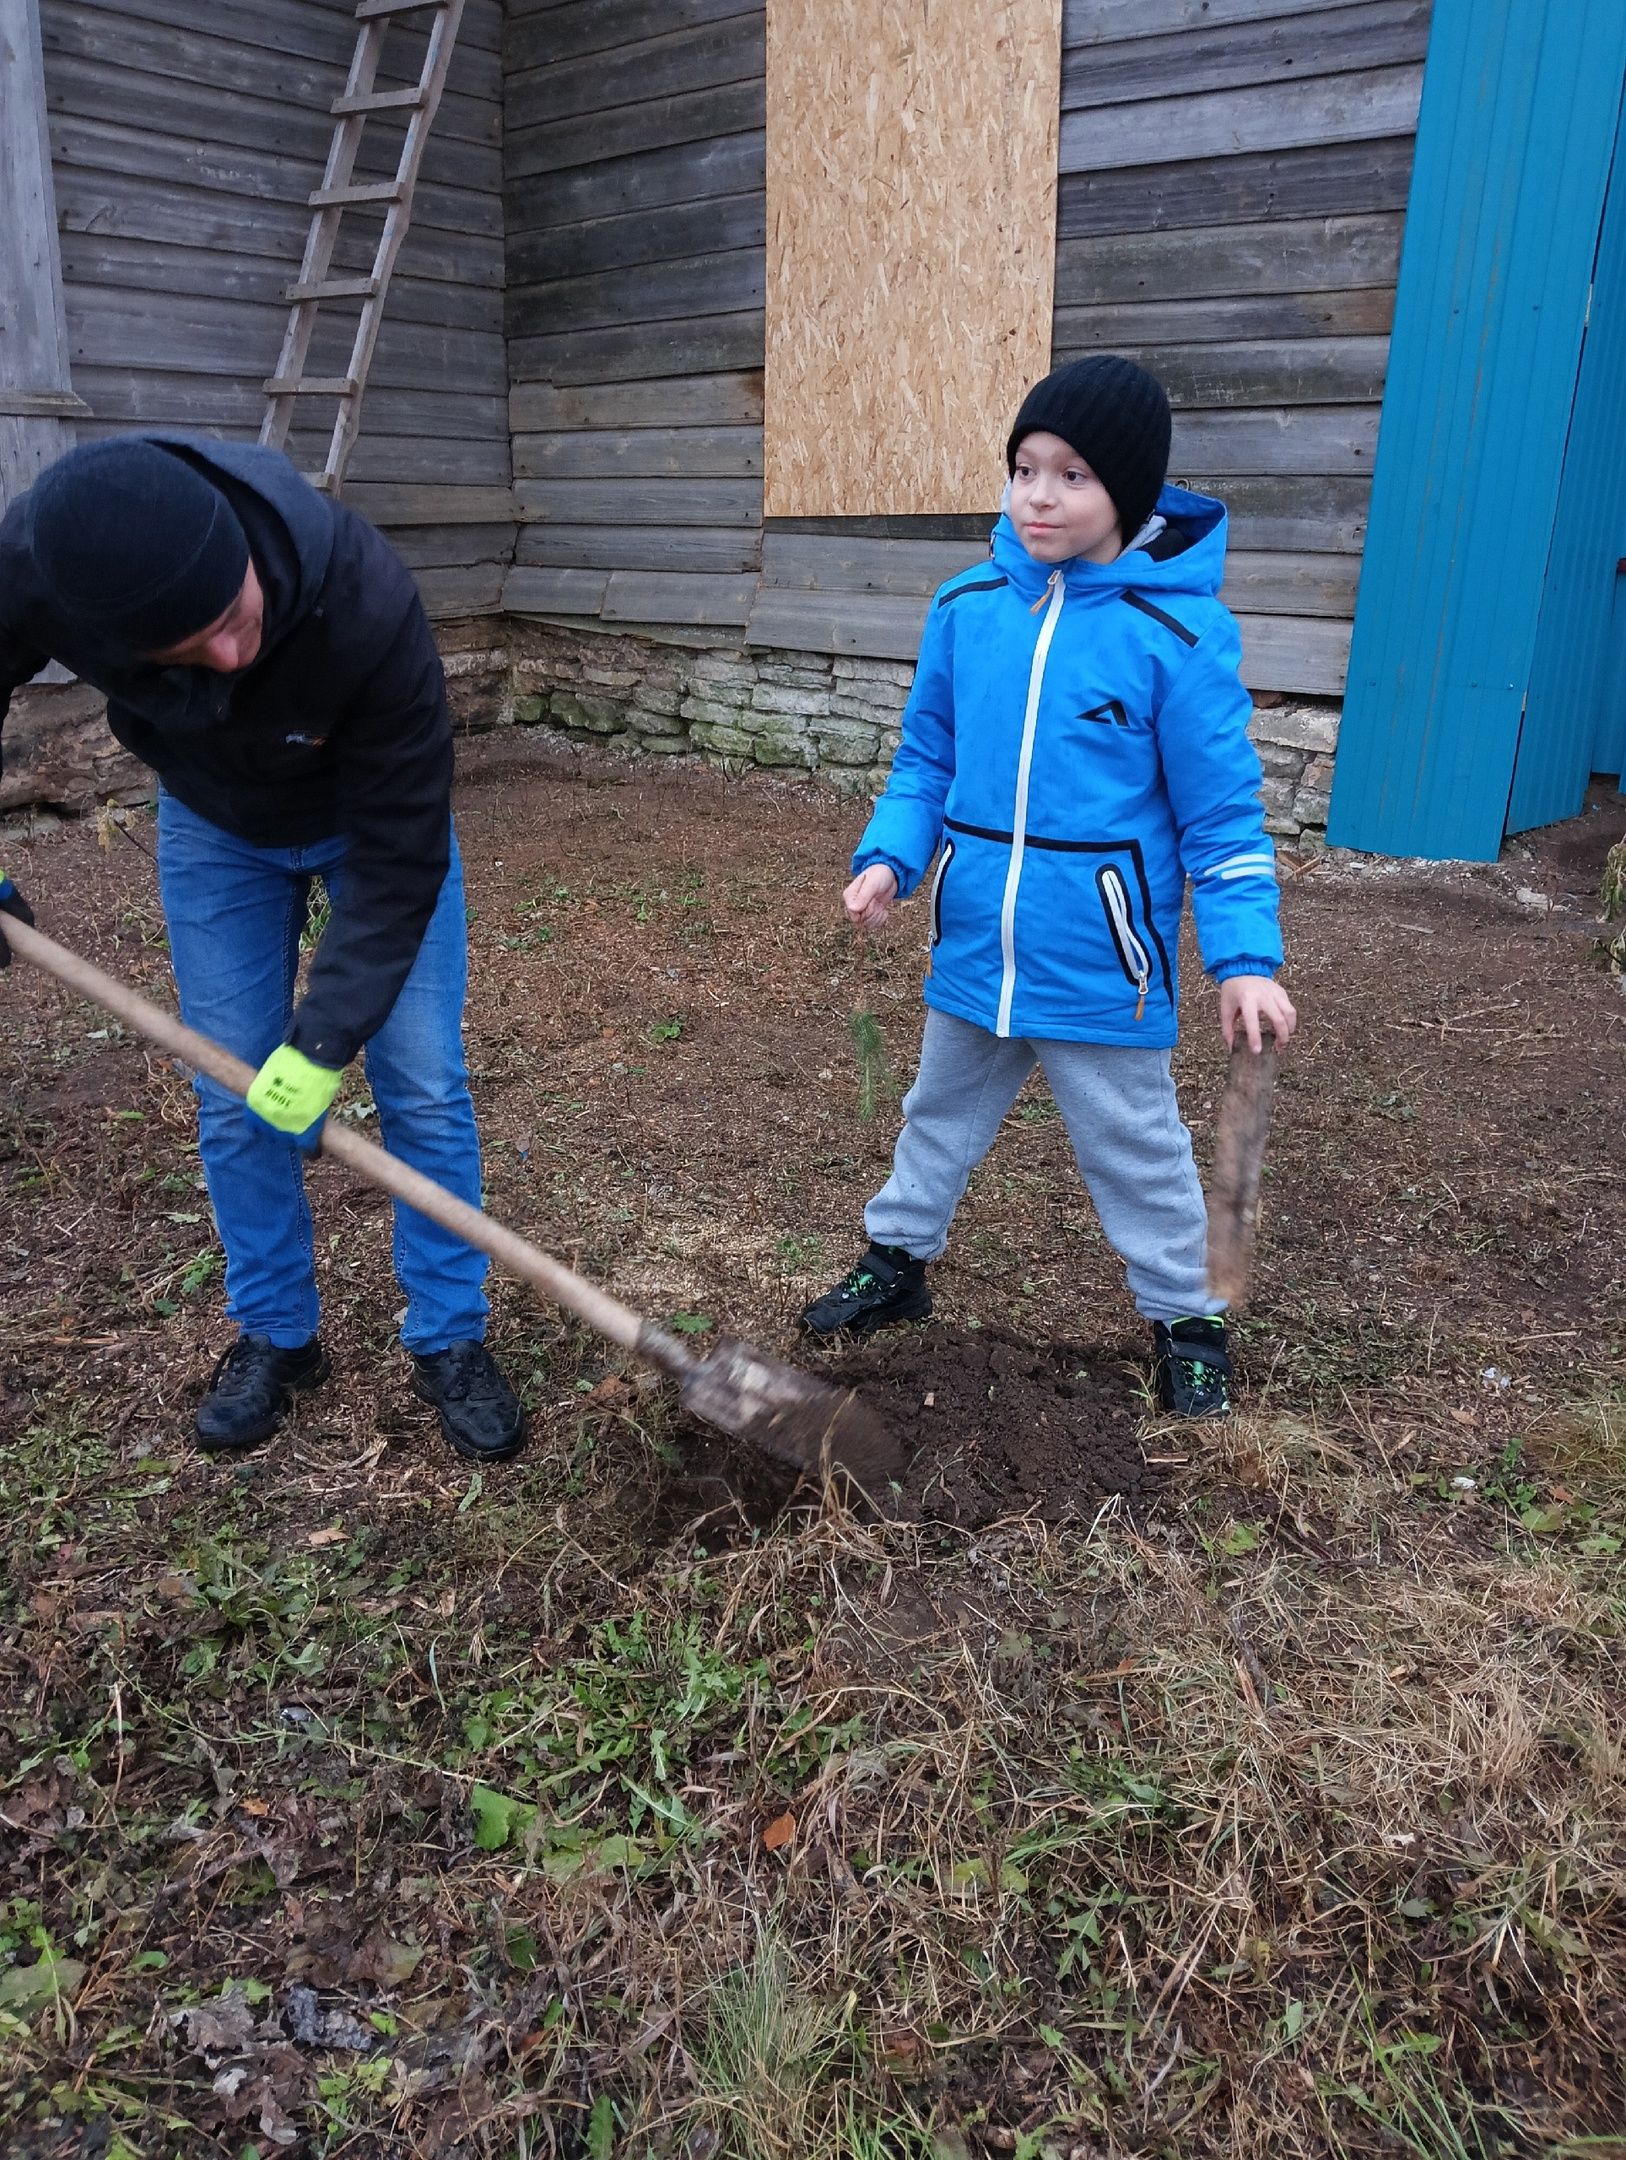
x=779 y=1832
x=333 y=1535
x=254 y=1807
x=26 y=1988
x=1462 y=1417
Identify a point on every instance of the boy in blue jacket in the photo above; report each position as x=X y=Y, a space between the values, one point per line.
x=1074 y=751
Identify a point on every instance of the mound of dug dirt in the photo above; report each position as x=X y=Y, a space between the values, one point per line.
x=991 y=1425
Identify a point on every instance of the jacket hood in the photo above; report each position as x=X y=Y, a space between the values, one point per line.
x=1187 y=557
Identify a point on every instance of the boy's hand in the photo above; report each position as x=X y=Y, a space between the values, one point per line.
x=868 y=899
x=1249 y=1000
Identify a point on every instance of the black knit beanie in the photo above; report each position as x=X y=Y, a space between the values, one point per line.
x=134 y=543
x=1116 y=417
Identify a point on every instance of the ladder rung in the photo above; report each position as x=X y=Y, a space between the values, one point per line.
x=379 y=101
x=369 y=10
x=333 y=288
x=310 y=386
x=362 y=191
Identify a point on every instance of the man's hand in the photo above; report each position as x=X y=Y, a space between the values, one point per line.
x=11 y=903
x=1246 y=1001
x=293 y=1096
x=868 y=899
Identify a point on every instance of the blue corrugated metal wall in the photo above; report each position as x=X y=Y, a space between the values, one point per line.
x=1566 y=725
x=1521 y=100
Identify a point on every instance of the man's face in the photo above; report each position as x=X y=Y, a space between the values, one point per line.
x=1058 y=506
x=231 y=642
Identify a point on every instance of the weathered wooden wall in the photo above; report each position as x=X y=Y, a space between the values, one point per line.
x=635 y=219
x=183 y=156
x=1233 y=179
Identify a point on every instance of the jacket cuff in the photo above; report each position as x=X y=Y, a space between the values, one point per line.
x=871 y=856
x=1244 y=964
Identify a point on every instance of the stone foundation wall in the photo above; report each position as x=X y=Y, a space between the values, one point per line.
x=835 y=716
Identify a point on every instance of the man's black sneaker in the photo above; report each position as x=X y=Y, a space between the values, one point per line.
x=1192 y=1367
x=888 y=1285
x=480 y=1414
x=251 y=1389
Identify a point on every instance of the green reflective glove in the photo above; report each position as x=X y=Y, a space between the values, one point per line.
x=292 y=1095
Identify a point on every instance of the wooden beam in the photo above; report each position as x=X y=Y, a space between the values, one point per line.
x=34 y=350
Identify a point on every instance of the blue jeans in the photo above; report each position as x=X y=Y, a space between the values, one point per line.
x=235 y=913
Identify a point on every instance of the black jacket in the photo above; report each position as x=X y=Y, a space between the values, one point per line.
x=339 y=726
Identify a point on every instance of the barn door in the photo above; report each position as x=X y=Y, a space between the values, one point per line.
x=1573 y=725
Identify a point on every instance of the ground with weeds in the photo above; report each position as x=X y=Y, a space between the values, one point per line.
x=1111 y=1789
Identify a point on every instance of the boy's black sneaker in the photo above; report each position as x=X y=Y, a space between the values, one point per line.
x=888 y=1285
x=480 y=1415
x=251 y=1389
x=1192 y=1367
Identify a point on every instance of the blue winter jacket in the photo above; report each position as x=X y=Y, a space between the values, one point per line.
x=1076 y=744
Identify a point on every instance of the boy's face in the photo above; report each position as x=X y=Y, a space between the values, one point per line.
x=1058 y=506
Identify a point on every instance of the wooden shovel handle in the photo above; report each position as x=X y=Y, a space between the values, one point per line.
x=562 y=1285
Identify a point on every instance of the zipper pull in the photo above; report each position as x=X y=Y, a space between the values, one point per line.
x=1140 y=1004
x=1049 y=587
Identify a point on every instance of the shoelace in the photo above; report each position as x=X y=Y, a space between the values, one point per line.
x=466 y=1366
x=242 y=1352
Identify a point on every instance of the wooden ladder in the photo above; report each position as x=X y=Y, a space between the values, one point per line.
x=339 y=192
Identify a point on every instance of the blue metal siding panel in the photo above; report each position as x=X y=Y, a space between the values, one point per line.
x=1517 y=125
x=1565 y=724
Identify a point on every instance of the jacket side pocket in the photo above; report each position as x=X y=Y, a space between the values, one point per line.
x=1133 y=957
x=943 y=862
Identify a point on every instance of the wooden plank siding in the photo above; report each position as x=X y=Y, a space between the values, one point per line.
x=634 y=169
x=1233 y=178
x=185 y=143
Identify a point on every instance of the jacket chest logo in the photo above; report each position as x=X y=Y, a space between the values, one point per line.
x=1111 y=714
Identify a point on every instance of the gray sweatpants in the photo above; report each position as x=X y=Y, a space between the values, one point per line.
x=1121 y=1116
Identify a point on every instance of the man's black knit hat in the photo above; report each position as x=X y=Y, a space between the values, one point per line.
x=1116 y=417
x=133 y=542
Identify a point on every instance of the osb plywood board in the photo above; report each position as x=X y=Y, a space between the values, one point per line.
x=911 y=247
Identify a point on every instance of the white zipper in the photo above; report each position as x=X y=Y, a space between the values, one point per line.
x=1019 y=818
x=1136 y=959
x=936 y=907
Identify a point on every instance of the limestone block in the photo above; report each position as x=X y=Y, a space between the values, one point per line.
x=801 y=704
x=721 y=739
x=794 y=678
x=860 y=669
x=714 y=667
x=779 y=745
x=1280 y=761
x=1301 y=727
x=597 y=714
x=529 y=710
x=645 y=722
x=846 y=742
x=652 y=697
x=711 y=711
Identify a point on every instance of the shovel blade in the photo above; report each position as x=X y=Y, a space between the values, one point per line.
x=791 y=1416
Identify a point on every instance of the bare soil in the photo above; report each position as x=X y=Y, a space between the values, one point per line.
x=1152 y=1790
